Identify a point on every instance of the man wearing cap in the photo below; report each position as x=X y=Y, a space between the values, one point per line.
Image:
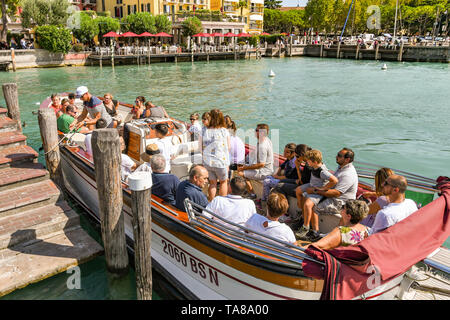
x=92 y=106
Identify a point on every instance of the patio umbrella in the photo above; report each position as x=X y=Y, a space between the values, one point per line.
x=129 y=34
x=111 y=34
x=283 y=34
x=216 y=34
x=243 y=35
x=265 y=34
x=146 y=34
x=229 y=34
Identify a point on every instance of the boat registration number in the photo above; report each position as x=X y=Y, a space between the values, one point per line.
x=189 y=262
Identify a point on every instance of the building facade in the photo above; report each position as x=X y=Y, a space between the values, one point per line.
x=122 y=8
x=85 y=4
x=250 y=12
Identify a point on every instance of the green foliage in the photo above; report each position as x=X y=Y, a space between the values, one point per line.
x=78 y=47
x=44 y=12
x=283 y=21
x=107 y=24
x=163 y=24
x=87 y=29
x=139 y=22
x=272 y=4
x=8 y=8
x=254 y=41
x=54 y=38
x=191 y=26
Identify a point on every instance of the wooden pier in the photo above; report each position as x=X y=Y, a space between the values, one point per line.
x=40 y=235
x=96 y=60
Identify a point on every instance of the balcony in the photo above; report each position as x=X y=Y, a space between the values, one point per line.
x=257 y=10
x=229 y=9
x=90 y=2
x=253 y=26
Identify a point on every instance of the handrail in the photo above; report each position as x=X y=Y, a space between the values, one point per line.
x=263 y=243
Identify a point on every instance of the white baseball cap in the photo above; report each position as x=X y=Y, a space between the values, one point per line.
x=80 y=91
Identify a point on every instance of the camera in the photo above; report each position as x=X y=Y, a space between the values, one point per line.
x=234 y=166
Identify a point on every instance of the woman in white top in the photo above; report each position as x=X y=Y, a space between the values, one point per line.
x=277 y=205
x=215 y=144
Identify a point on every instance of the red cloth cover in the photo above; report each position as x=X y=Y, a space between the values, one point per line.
x=349 y=270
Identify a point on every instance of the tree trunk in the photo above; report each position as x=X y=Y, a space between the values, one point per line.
x=4 y=31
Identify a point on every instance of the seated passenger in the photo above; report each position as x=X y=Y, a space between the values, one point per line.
x=56 y=105
x=233 y=207
x=288 y=166
x=192 y=188
x=154 y=111
x=260 y=159
x=321 y=180
x=138 y=108
x=111 y=107
x=100 y=124
x=127 y=165
x=399 y=207
x=289 y=188
x=64 y=122
x=344 y=190
x=165 y=146
x=150 y=151
x=164 y=184
x=64 y=104
x=350 y=231
x=277 y=205
x=195 y=128
x=381 y=200
x=71 y=98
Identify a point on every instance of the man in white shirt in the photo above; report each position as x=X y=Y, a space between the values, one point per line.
x=277 y=205
x=233 y=207
x=399 y=208
x=127 y=165
x=164 y=144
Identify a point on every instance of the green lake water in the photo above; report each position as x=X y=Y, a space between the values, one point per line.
x=397 y=118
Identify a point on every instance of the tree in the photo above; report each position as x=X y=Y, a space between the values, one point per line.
x=272 y=4
x=241 y=5
x=191 y=26
x=87 y=29
x=44 y=12
x=163 y=23
x=292 y=19
x=139 y=22
x=272 y=20
x=54 y=38
x=107 y=24
x=9 y=8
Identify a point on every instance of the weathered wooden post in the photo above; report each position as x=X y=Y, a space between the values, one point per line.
x=400 y=53
x=13 y=59
x=107 y=162
x=101 y=58
x=50 y=139
x=357 y=52
x=321 y=50
x=338 y=54
x=11 y=95
x=140 y=184
x=376 y=50
x=290 y=46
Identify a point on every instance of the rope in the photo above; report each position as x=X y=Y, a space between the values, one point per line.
x=66 y=135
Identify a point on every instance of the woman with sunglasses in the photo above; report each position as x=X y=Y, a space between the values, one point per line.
x=138 y=108
x=111 y=106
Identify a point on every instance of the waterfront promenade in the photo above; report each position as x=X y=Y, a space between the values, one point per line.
x=40 y=234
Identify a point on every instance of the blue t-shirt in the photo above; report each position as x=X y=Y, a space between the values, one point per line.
x=165 y=186
x=192 y=192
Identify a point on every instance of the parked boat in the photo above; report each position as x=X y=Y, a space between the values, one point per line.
x=202 y=258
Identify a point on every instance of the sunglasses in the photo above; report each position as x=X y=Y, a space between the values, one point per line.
x=192 y=119
x=386 y=183
x=340 y=155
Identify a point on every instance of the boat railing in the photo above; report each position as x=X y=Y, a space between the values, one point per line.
x=244 y=237
x=368 y=171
